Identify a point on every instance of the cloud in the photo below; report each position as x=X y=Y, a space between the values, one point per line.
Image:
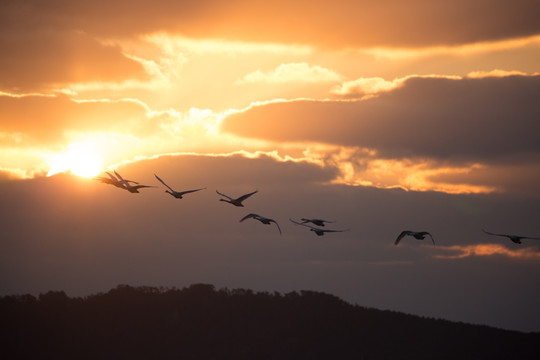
x=37 y=58
x=45 y=119
x=376 y=85
x=37 y=129
x=495 y=73
x=337 y=24
x=456 y=50
x=293 y=72
x=461 y=251
x=433 y=133
x=426 y=117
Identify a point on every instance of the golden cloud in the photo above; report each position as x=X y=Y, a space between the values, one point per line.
x=293 y=72
x=375 y=85
x=464 y=251
x=476 y=48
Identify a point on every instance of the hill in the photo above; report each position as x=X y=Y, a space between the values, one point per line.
x=200 y=322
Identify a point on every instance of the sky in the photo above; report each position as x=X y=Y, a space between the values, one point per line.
x=380 y=116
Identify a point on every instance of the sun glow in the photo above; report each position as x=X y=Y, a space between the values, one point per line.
x=80 y=158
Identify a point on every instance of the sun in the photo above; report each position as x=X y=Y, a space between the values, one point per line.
x=79 y=158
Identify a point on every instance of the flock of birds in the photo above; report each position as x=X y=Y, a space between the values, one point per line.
x=133 y=187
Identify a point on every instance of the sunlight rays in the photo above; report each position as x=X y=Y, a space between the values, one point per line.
x=80 y=158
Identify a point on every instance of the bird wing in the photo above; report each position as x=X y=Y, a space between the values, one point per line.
x=189 y=191
x=323 y=221
x=426 y=233
x=328 y=230
x=403 y=233
x=244 y=197
x=319 y=222
x=120 y=178
x=248 y=216
x=490 y=233
x=275 y=222
x=306 y=225
x=163 y=182
x=102 y=179
x=113 y=178
x=140 y=186
x=228 y=197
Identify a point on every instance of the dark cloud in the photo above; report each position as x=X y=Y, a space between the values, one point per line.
x=342 y=23
x=517 y=176
x=467 y=120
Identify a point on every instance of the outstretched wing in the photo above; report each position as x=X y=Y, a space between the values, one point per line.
x=163 y=182
x=244 y=197
x=490 y=233
x=275 y=222
x=319 y=222
x=528 y=237
x=189 y=191
x=114 y=178
x=249 y=216
x=328 y=230
x=140 y=186
x=120 y=178
x=427 y=233
x=228 y=197
x=306 y=225
x=403 y=233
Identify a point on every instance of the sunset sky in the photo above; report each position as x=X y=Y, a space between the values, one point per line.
x=380 y=115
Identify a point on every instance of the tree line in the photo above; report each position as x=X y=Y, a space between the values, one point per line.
x=202 y=322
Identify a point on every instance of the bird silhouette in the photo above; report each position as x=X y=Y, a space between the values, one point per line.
x=113 y=180
x=318 y=222
x=515 y=238
x=420 y=235
x=316 y=230
x=262 y=219
x=127 y=186
x=237 y=201
x=176 y=194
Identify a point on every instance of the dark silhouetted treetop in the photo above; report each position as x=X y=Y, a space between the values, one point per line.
x=202 y=322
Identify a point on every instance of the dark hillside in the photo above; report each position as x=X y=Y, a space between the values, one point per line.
x=200 y=322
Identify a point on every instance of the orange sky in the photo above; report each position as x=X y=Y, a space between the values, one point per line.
x=168 y=77
x=435 y=97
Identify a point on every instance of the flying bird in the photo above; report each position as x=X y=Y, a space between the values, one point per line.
x=420 y=235
x=262 y=219
x=316 y=230
x=515 y=238
x=127 y=186
x=318 y=222
x=176 y=194
x=238 y=201
x=113 y=180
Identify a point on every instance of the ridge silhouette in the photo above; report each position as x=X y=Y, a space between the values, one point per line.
x=200 y=322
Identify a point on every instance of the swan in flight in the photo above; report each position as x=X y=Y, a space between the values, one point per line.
x=113 y=180
x=238 y=201
x=420 y=235
x=127 y=186
x=176 y=194
x=262 y=219
x=318 y=222
x=316 y=230
x=515 y=238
